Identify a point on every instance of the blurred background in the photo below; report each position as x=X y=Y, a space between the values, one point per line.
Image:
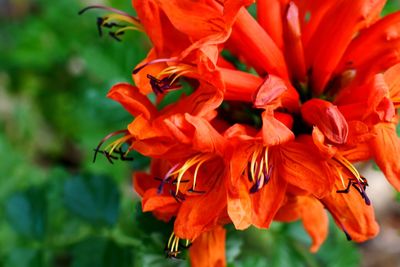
x=58 y=208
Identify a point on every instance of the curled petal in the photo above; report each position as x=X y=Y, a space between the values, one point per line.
x=273 y=131
x=271 y=89
x=327 y=118
x=132 y=100
x=163 y=207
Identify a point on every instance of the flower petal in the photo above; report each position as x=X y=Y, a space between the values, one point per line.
x=209 y=249
x=327 y=118
x=199 y=214
x=261 y=52
x=269 y=90
x=386 y=149
x=315 y=221
x=273 y=131
x=163 y=207
x=269 y=17
x=302 y=167
x=132 y=100
x=342 y=21
x=351 y=213
x=383 y=42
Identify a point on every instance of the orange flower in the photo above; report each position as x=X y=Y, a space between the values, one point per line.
x=274 y=142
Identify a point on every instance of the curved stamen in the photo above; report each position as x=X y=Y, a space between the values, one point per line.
x=114 y=147
x=155 y=61
x=108 y=9
x=174 y=245
x=177 y=172
x=258 y=170
x=359 y=182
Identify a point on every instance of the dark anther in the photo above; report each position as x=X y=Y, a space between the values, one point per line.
x=109 y=157
x=360 y=186
x=99 y=23
x=173 y=254
x=160 y=86
x=105 y=153
x=191 y=190
x=267 y=175
x=175 y=181
x=122 y=155
x=179 y=197
x=255 y=187
x=115 y=35
x=162 y=183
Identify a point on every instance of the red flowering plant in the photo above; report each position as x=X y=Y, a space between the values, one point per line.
x=274 y=142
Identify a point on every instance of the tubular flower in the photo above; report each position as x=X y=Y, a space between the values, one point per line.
x=281 y=107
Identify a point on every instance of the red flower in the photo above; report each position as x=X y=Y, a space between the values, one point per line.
x=275 y=142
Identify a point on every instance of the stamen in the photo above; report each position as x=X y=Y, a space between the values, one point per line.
x=108 y=21
x=155 y=61
x=359 y=183
x=174 y=245
x=258 y=170
x=359 y=186
x=345 y=163
x=160 y=86
x=114 y=147
x=176 y=173
x=117 y=11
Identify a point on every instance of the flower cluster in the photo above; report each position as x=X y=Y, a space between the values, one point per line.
x=275 y=112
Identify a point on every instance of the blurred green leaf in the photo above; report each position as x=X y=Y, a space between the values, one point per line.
x=233 y=247
x=24 y=257
x=100 y=252
x=26 y=213
x=93 y=198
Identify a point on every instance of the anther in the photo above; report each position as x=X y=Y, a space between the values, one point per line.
x=174 y=246
x=258 y=170
x=114 y=147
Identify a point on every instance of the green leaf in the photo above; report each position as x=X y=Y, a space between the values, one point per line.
x=24 y=257
x=233 y=247
x=26 y=213
x=93 y=198
x=100 y=252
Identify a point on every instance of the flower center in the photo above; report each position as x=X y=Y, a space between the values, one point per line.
x=258 y=170
x=175 y=176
